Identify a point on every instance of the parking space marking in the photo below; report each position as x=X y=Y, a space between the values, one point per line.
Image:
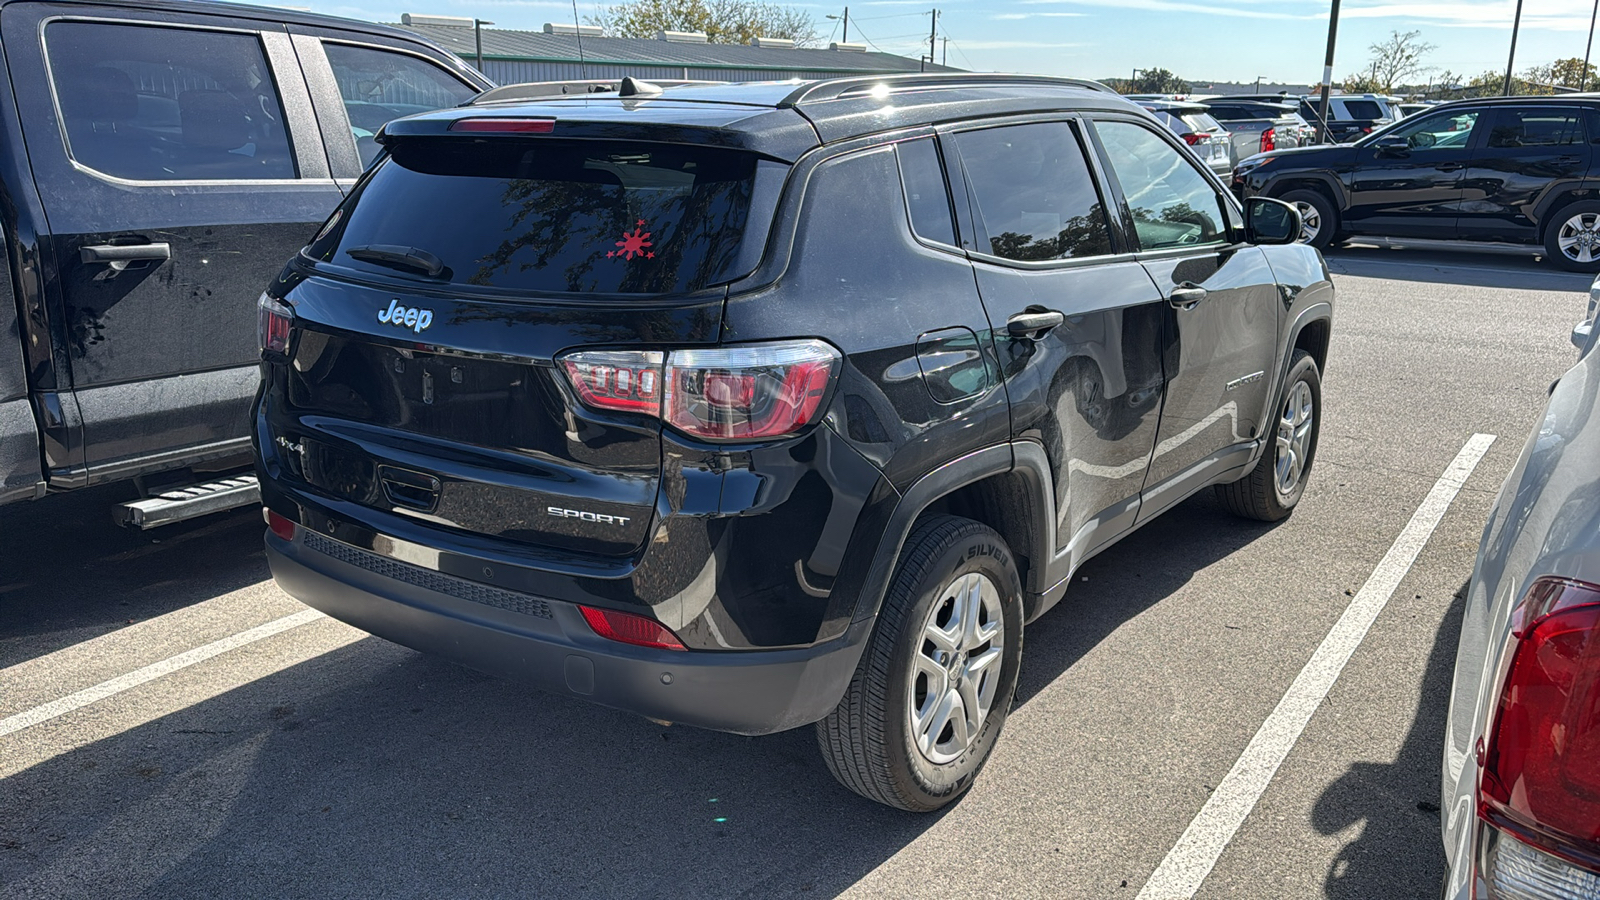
x=1190 y=860
x=104 y=689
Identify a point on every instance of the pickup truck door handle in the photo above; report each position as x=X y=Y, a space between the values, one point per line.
x=124 y=253
x=1186 y=296
x=1034 y=323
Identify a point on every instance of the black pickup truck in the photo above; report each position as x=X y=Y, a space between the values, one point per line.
x=159 y=161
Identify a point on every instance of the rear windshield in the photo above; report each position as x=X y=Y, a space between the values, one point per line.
x=549 y=216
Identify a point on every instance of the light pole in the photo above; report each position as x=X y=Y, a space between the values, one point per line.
x=1259 y=77
x=1327 y=74
x=847 y=24
x=1583 y=78
x=1515 y=24
x=477 y=38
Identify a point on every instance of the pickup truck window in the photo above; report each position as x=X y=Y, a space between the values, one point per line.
x=378 y=85
x=157 y=103
x=1361 y=109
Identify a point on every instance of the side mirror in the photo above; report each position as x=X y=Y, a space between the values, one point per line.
x=1269 y=221
x=1392 y=146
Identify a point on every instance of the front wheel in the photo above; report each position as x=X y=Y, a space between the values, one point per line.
x=1273 y=488
x=1572 y=237
x=1319 y=221
x=935 y=682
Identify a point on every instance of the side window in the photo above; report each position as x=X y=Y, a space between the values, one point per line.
x=1173 y=205
x=1035 y=196
x=1444 y=131
x=377 y=85
x=1361 y=109
x=1535 y=128
x=927 y=198
x=159 y=103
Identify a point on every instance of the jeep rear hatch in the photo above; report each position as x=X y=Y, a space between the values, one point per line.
x=426 y=377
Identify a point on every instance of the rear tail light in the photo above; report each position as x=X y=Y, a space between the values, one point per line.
x=1192 y=138
x=1540 y=782
x=504 y=126
x=280 y=525
x=1512 y=870
x=1269 y=141
x=751 y=392
x=273 y=319
x=627 y=628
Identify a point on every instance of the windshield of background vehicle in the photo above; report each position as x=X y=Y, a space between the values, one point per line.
x=550 y=215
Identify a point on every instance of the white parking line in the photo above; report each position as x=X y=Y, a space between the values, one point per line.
x=104 y=689
x=1190 y=860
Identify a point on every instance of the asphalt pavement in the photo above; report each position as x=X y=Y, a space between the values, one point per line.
x=314 y=761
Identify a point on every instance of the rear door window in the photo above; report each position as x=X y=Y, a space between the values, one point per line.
x=549 y=215
x=1535 y=128
x=151 y=103
x=379 y=85
x=1032 y=192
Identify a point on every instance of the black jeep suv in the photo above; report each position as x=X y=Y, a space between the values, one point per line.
x=1518 y=169
x=757 y=406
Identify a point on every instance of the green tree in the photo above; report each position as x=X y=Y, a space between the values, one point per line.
x=1154 y=81
x=722 y=21
x=1573 y=73
x=1363 y=83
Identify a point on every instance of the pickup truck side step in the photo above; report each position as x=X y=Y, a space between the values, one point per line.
x=187 y=502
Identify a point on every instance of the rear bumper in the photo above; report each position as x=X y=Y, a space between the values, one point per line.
x=547 y=643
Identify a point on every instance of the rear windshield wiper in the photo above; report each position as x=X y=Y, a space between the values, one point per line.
x=399 y=257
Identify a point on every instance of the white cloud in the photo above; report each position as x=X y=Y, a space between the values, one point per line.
x=1012 y=17
x=1208 y=9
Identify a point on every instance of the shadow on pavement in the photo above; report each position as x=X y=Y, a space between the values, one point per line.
x=67 y=573
x=1461 y=264
x=1398 y=801
x=374 y=771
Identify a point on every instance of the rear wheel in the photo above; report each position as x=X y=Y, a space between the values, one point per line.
x=1319 y=221
x=1273 y=488
x=1572 y=237
x=933 y=687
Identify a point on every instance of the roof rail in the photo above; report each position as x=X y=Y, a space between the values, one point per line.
x=541 y=90
x=837 y=88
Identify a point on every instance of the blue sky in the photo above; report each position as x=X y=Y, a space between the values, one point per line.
x=1234 y=40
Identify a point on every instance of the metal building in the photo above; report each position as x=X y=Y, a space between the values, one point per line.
x=514 y=57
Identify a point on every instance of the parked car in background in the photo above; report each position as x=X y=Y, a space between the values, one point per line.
x=1350 y=116
x=1510 y=169
x=159 y=163
x=1411 y=109
x=1257 y=126
x=1521 y=772
x=622 y=398
x=1209 y=139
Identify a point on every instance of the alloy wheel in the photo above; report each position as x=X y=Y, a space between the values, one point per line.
x=956 y=668
x=1310 y=221
x=1579 y=238
x=1294 y=437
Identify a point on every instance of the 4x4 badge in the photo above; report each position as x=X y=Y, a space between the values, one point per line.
x=414 y=317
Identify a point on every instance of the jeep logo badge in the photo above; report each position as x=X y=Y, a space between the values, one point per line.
x=414 y=317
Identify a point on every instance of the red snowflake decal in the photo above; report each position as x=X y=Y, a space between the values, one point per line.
x=634 y=244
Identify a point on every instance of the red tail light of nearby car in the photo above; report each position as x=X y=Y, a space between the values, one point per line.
x=280 y=525
x=751 y=392
x=1540 y=783
x=627 y=628
x=1269 y=141
x=1193 y=139
x=273 y=320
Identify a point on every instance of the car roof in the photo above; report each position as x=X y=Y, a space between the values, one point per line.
x=275 y=14
x=785 y=118
x=1173 y=106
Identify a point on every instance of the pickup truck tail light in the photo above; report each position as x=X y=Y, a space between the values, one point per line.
x=273 y=320
x=1539 y=789
x=743 y=393
x=1269 y=141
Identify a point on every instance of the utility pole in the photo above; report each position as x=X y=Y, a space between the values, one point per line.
x=1515 y=24
x=1583 y=79
x=1327 y=74
x=477 y=38
x=933 y=38
x=846 y=38
x=944 y=54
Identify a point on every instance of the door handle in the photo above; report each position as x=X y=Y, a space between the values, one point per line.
x=1447 y=166
x=1186 y=296
x=119 y=255
x=1034 y=323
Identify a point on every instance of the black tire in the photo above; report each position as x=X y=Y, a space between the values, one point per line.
x=1327 y=216
x=868 y=741
x=1552 y=236
x=1258 y=495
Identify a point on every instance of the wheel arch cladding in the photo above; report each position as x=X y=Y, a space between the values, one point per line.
x=1320 y=184
x=1313 y=337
